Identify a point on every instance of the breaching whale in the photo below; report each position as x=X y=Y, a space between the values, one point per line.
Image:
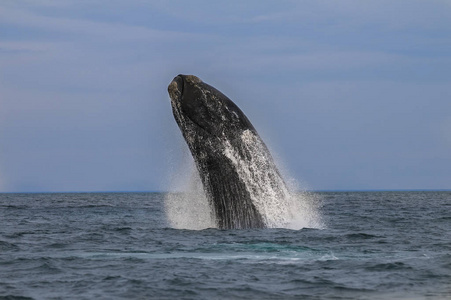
x=237 y=171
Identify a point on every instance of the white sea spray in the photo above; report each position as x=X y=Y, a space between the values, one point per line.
x=281 y=205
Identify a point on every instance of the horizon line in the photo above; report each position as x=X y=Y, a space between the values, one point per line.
x=308 y=191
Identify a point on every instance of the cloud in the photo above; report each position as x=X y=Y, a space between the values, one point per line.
x=348 y=14
x=313 y=61
x=23 y=46
x=103 y=30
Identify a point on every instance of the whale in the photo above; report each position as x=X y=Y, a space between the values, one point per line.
x=239 y=176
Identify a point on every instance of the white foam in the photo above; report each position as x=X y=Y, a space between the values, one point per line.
x=246 y=257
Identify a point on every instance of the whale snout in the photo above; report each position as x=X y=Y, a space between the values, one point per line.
x=175 y=88
x=183 y=83
x=179 y=82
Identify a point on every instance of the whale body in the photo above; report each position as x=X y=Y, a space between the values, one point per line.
x=240 y=179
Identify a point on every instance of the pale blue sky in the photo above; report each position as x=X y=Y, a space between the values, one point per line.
x=348 y=94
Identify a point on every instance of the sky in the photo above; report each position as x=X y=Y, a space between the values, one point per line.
x=348 y=95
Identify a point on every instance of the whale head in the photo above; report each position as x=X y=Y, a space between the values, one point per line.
x=203 y=108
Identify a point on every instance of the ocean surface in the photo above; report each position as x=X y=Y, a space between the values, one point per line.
x=372 y=245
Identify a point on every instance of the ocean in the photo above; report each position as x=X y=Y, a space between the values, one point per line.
x=368 y=245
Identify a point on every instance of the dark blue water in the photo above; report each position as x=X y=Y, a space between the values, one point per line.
x=376 y=245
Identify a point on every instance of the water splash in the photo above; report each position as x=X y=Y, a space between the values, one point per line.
x=188 y=208
x=274 y=199
x=305 y=207
x=281 y=205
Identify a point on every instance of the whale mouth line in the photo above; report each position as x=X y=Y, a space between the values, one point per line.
x=199 y=125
